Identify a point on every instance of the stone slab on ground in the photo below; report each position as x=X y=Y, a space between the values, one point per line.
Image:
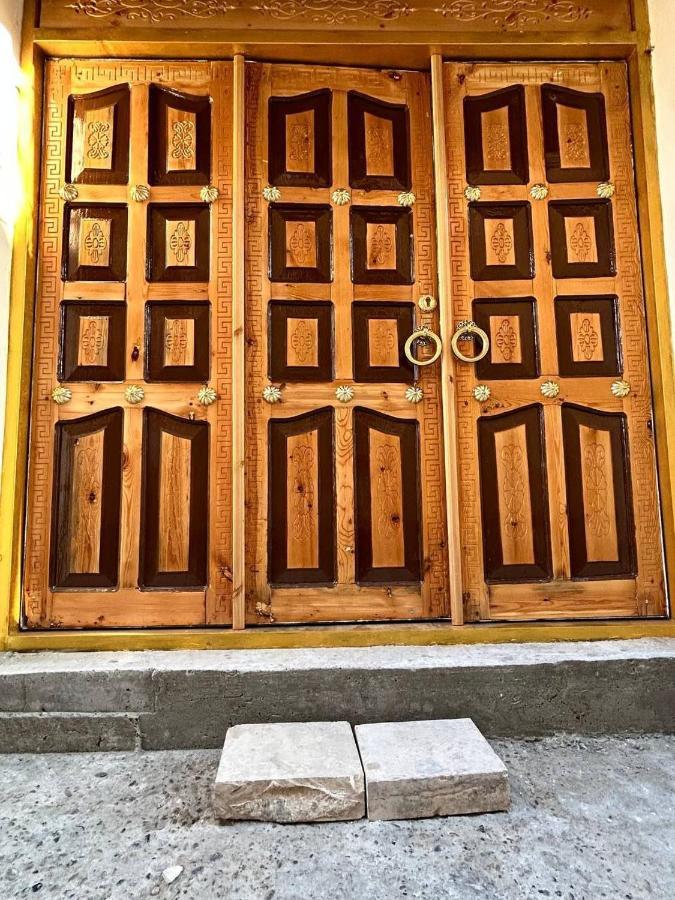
x=290 y=772
x=442 y=767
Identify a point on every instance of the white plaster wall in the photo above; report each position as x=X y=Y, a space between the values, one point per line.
x=10 y=31
x=662 y=20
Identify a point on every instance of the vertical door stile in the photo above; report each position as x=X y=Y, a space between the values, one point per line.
x=543 y=289
x=445 y=301
x=238 y=346
x=342 y=294
x=136 y=296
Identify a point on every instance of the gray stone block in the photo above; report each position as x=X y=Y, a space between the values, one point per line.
x=290 y=772
x=66 y=732
x=444 y=767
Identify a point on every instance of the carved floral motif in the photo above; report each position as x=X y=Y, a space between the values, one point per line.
x=183 y=139
x=302 y=341
x=513 y=491
x=501 y=242
x=151 y=10
x=92 y=341
x=180 y=242
x=497 y=145
x=513 y=15
x=580 y=242
x=96 y=243
x=302 y=461
x=98 y=140
x=587 y=339
x=595 y=460
x=380 y=246
x=506 y=340
x=299 y=144
x=575 y=139
x=301 y=245
x=334 y=12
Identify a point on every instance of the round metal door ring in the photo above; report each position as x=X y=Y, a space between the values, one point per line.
x=470 y=330
x=423 y=333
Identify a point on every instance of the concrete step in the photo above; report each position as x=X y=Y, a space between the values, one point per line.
x=188 y=699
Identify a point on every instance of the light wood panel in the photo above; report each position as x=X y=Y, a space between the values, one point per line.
x=584 y=253
x=100 y=342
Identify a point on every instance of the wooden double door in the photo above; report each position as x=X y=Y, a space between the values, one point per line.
x=358 y=507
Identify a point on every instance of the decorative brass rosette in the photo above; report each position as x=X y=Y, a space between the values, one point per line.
x=209 y=193
x=539 y=192
x=481 y=393
x=620 y=388
x=414 y=393
x=134 y=393
x=472 y=193
x=550 y=389
x=271 y=194
x=605 y=190
x=206 y=395
x=406 y=198
x=61 y=395
x=271 y=393
x=68 y=192
x=344 y=393
x=140 y=193
x=341 y=197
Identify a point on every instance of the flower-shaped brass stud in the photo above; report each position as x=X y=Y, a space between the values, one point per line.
x=414 y=393
x=271 y=393
x=271 y=194
x=539 y=192
x=61 y=395
x=344 y=393
x=481 y=393
x=140 y=193
x=620 y=388
x=605 y=190
x=341 y=197
x=206 y=395
x=472 y=193
x=406 y=198
x=134 y=393
x=68 y=192
x=209 y=193
x=550 y=389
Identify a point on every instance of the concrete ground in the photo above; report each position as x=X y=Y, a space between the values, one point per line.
x=591 y=818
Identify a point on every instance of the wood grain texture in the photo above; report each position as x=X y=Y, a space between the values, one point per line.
x=390 y=294
x=582 y=365
x=80 y=359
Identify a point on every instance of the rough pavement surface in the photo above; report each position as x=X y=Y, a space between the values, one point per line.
x=591 y=818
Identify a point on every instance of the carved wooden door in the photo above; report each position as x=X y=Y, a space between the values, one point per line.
x=344 y=460
x=128 y=520
x=559 y=499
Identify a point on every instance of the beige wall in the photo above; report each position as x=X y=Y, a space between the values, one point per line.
x=10 y=29
x=662 y=19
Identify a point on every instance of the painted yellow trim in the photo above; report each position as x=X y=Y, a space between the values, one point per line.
x=338 y=636
x=633 y=46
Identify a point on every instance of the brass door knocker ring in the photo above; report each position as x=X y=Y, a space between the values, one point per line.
x=425 y=334
x=469 y=330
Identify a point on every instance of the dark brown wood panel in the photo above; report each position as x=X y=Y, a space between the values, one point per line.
x=179 y=150
x=379 y=333
x=93 y=341
x=588 y=336
x=178 y=242
x=582 y=239
x=496 y=137
x=85 y=534
x=575 y=134
x=95 y=242
x=599 y=504
x=514 y=496
x=511 y=325
x=300 y=341
x=500 y=239
x=300 y=140
x=387 y=498
x=174 y=536
x=378 y=143
x=98 y=137
x=302 y=535
x=382 y=245
x=300 y=242
x=177 y=341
